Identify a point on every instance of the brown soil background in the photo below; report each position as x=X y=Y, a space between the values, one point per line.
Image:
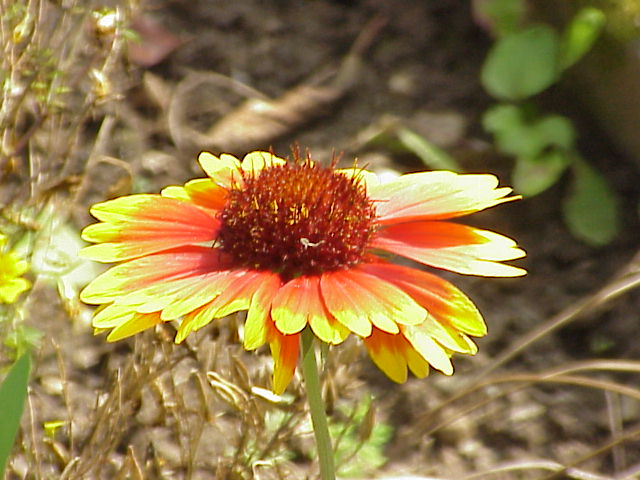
x=145 y=408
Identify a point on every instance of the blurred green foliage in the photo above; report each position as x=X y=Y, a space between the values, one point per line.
x=13 y=392
x=524 y=61
x=359 y=443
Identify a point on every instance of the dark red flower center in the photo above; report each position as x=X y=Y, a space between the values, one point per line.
x=298 y=218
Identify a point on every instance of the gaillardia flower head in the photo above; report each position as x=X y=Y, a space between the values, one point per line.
x=11 y=269
x=298 y=245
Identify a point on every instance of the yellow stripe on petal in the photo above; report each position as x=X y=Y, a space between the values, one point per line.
x=447 y=336
x=160 y=268
x=223 y=170
x=369 y=179
x=101 y=232
x=205 y=193
x=430 y=350
x=328 y=329
x=195 y=292
x=193 y=321
x=234 y=296
x=255 y=327
x=383 y=351
x=113 y=315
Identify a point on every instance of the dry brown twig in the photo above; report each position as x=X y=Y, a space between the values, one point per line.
x=259 y=121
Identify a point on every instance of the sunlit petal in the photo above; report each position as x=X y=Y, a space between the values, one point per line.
x=136 y=324
x=436 y=195
x=451 y=312
x=139 y=225
x=359 y=300
x=285 y=350
x=451 y=246
x=384 y=350
x=258 y=315
x=203 y=192
x=428 y=348
x=170 y=265
x=223 y=170
x=299 y=303
x=234 y=294
x=255 y=161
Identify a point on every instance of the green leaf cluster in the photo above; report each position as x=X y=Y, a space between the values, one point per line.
x=523 y=62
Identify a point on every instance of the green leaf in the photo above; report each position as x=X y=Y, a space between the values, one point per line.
x=522 y=64
x=517 y=136
x=501 y=116
x=502 y=16
x=557 y=130
x=580 y=35
x=13 y=392
x=591 y=209
x=532 y=176
x=431 y=155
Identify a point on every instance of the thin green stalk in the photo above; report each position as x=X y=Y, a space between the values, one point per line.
x=316 y=406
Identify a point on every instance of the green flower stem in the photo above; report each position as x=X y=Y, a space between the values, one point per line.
x=316 y=406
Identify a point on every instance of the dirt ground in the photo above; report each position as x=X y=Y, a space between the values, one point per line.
x=333 y=76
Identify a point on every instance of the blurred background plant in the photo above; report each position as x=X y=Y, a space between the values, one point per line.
x=56 y=62
x=55 y=75
x=526 y=59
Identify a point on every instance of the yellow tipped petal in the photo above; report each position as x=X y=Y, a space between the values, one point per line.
x=176 y=192
x=428 y=349
x=384 y=352
x=296 y=302
x=136 y=324
x=255 y=327
x=256 y=161
x=284 y=349
x=452 y=246
x=418 y=365
x=223 y=170
x=436 y=195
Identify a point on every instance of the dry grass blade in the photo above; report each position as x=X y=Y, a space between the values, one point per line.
x=625 y=281
x=560 y=474
x=528 y=465
x=559 y=375
x=564 y=375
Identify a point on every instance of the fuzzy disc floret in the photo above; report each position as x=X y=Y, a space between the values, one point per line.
x=297 y=218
